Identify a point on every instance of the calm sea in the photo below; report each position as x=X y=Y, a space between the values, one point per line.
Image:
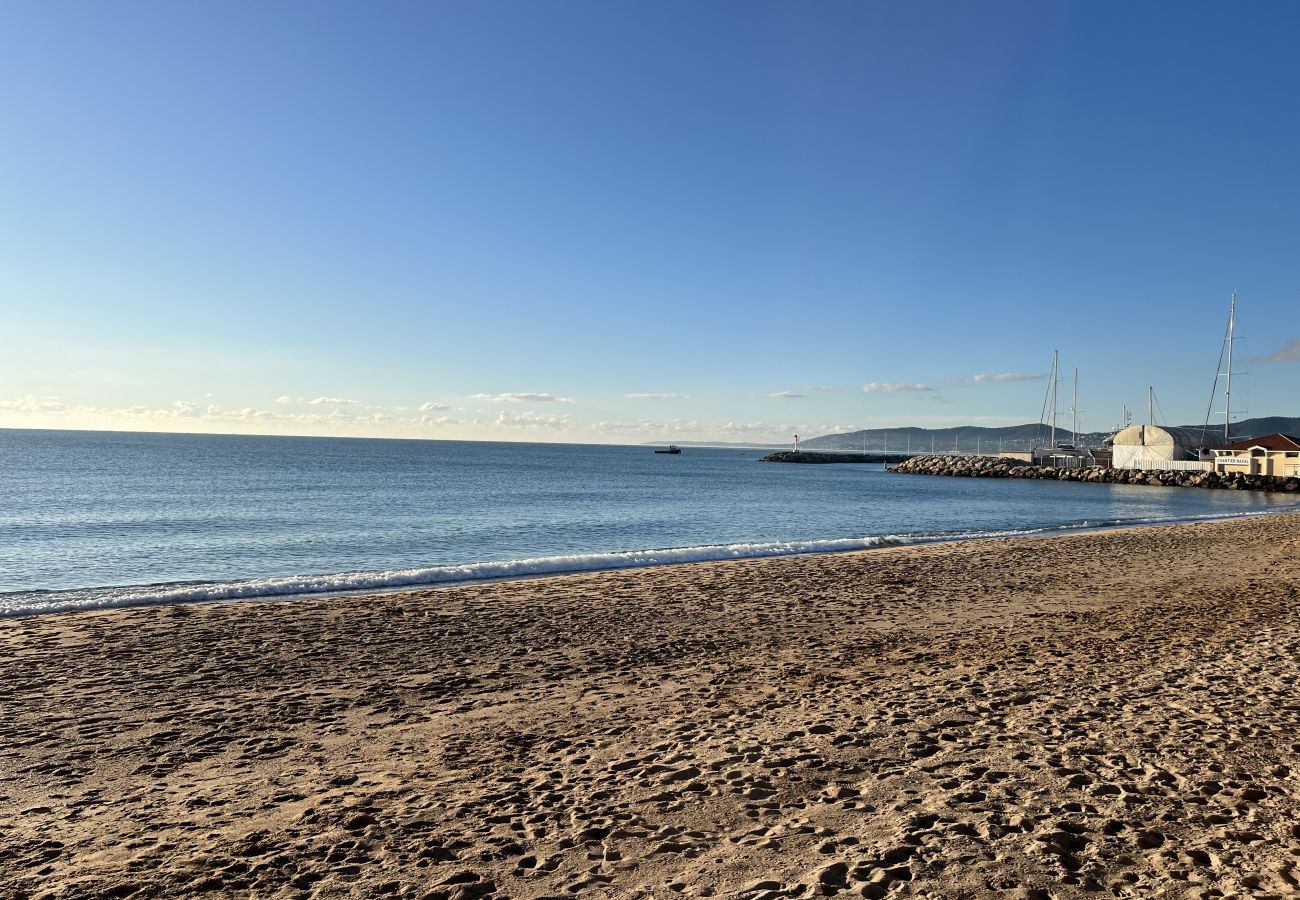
x=97 y=519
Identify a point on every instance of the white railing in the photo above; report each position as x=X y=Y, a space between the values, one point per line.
x=1172 y=465
x=1066 y=462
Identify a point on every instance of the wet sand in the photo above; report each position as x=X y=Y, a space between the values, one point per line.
x=1114 y=712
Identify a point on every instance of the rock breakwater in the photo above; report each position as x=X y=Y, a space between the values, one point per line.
x=814 y=456
x=1004 y=467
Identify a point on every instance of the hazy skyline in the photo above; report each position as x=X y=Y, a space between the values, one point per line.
x=631 y=222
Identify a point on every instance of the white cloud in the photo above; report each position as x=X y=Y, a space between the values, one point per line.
x=509 y=423
x=532 y=420
x=433 y=407
x=657 y=396
x=283 y=398
x=876 y=387
x=751 y=428
x=183 y=410
x=33 y=404
x=1007 y=376
x=521 y=397
x=182 y=415
x=1290 y=352
x=784 y=395
x=331 y=401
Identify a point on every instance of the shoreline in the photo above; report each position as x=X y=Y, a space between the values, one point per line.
x=187 y=592
x=1113 y=711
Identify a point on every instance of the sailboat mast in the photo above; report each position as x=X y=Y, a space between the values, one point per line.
x=1151 y=404
x=1227 y=394
x=1074 y=411
x=1056 y=377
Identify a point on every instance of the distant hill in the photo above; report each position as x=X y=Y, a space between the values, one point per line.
x=972 y=438
x=1265 y=425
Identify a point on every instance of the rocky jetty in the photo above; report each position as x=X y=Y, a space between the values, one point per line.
x=811 y=456
x=1004 y=467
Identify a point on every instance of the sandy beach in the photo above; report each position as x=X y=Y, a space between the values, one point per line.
x=1114 y=712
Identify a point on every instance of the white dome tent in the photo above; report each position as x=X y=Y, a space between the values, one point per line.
x=1152 y=446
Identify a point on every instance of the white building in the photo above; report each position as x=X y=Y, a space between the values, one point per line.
x=1154 y=447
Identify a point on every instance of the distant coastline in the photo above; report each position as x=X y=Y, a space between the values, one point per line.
x=986 y=439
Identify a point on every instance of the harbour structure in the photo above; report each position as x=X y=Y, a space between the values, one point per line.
x=1158 y=447
x=1168 y=448
x=1058 y=453
x=1272 y=454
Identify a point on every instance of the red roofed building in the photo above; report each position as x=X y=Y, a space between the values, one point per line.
x=1272 y=454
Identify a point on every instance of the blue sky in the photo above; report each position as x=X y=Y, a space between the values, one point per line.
x=634 y=221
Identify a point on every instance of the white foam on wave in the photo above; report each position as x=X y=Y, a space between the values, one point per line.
x=26 y=603
x=30 y=603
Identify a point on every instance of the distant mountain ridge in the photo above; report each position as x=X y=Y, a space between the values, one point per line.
x=975 y=438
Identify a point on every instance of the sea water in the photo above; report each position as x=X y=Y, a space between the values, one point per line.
x=101 y=519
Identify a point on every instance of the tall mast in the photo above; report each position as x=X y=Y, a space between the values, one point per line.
x=1227 y=394
x=1056 y=376
x=1074 y=410
x=1151 y=404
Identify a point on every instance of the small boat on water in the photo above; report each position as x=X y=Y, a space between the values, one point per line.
x=672 y=448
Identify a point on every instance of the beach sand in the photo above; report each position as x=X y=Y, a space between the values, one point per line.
x=1115 y=711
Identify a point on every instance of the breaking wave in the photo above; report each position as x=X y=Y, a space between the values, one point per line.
x=25 y=603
